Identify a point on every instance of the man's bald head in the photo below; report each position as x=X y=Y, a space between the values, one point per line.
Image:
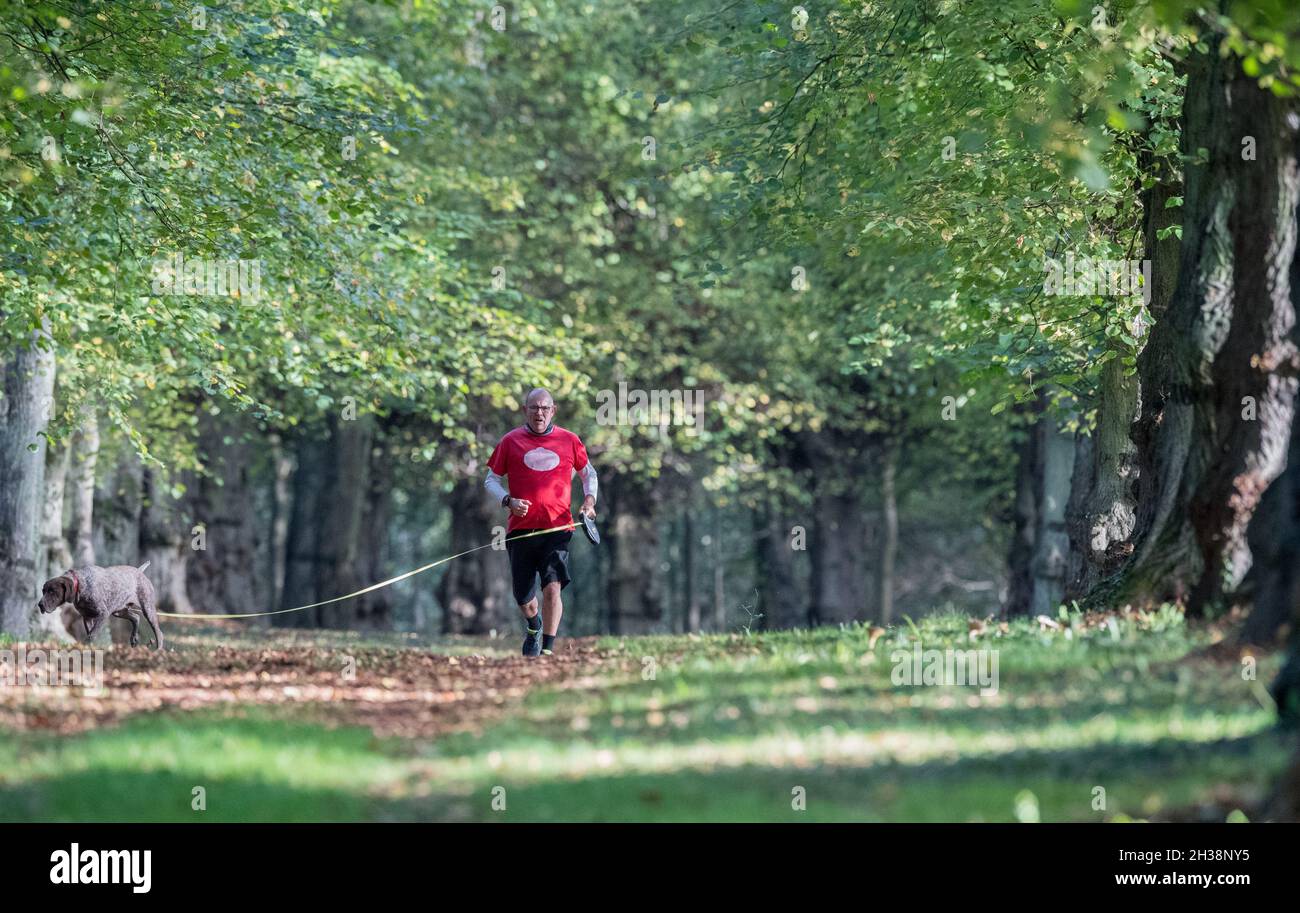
x=539 y=395
x=539 y=409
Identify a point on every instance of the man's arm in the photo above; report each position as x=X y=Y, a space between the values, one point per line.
x=517 y=506
x=590 y=486
x=589 y=489
x=494 y=487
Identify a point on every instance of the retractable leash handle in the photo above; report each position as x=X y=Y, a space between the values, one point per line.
x=589 y=527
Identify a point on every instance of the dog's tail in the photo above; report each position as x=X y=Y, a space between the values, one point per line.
x=143 y=566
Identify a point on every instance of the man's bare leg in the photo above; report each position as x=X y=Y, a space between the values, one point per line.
x=529 y=609
x=533 y=622
x=552 y=608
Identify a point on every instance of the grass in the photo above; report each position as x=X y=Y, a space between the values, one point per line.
x=729 y=728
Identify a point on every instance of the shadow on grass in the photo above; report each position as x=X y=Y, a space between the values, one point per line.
x=254 y=768
x=1139 y=782
x=249 y=768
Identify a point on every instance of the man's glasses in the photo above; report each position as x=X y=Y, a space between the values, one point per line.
x=541 y=408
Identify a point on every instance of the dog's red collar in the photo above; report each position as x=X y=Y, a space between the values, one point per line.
x=76 y=584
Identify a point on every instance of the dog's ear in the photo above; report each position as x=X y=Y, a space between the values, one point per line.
x=65 y=589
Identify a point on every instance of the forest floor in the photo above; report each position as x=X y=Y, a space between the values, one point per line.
x=1118 y=716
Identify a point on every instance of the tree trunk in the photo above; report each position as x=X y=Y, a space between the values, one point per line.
x=475 y=590
x=1223 y=348
x=889 y=533
x=165 y=543
x=1108 y=523
x=719 y=574
x=779 y=596
x=116 y=509
x=375 y=610
x=1106 y=535
x=635 y=584
x=53 y=555
x=280 y=499
x=1051 y=539
x=340 y=540
x=1076 y=519
x=1103 y=535
x=310 y=489
x=85 y=458
x=1274 y=537
x=54 y=552
x=1020 y=580
x=839 y=590
x=1246 y=434
x=112 y=508
x=220 y=577
x=1039 y=561
x=691 y=599
x=28 y=378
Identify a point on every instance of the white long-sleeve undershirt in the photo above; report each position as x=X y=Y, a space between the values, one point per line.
x=494 y=487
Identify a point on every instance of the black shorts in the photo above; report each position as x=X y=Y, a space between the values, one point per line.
x=546 y=556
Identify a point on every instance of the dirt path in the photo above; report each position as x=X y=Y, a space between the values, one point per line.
x=392 y=691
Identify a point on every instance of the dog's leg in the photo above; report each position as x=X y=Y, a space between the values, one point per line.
x=151 y=614
x=132 y=614
x=92 y=623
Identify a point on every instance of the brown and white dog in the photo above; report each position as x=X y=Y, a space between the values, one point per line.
x=98 y=592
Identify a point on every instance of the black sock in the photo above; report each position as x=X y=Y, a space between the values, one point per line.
x=548 y=641
x=534 y=624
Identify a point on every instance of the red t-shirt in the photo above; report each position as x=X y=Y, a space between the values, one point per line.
x=539 y=468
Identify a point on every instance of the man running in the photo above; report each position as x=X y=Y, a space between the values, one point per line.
x=539 y=461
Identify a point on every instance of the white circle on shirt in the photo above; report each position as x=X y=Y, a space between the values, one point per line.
x=541 y=459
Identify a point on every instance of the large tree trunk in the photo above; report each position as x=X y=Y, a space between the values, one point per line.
x=839 y=579
x=779 y=598
x=1105 y=535
x=310 y=489
x=838 y=547
x=1274 y=538
x=1274 y=580
x=85 y=458
x=53 y=555
x=475 y=590
x=1255 y=373
x=375 y=610
x=55 y=552
x=112 y=508
x=280 y=499
x=1076 y=520
x=1039 y=560
x=220 y=577
x=340 y=540
x=1102 y=537
x=1024 y=536
x=1221 y=350
x=1051 y=539
x=165 y=543
x=1108 y=526
x=116 y=509
x=28 y=378
x=635 y=585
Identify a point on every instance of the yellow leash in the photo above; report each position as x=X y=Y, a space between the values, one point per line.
x=372 y=587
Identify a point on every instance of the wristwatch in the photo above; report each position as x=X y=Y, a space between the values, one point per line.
x=505 y=502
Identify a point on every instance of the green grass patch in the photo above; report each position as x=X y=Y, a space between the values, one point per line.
x=252 y=767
